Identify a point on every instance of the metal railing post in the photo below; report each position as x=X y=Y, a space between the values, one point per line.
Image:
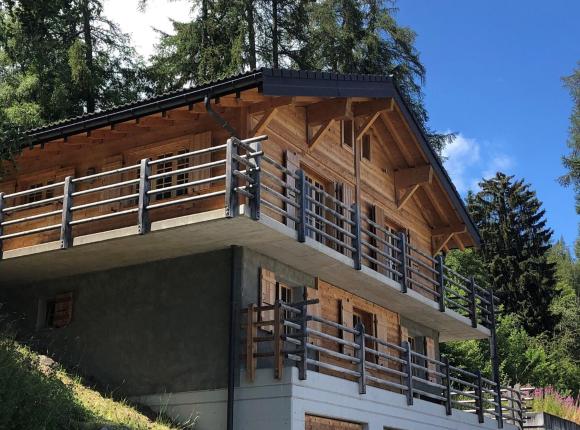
x=495 y=362
x=473 y=302
x=302 y=188
x=403 y=259
x=479 y=394
x=409 y=370
x=302 y=365
x=231 y=197
x=1 y=221
x=448 y=405
x=278 y=357
x=256 y=186
x=65 y=227
x=359 y=339
x=144 y=187
x=441 y=282
x=357 y=243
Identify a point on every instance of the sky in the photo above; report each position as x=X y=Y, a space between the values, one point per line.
x=494 y=71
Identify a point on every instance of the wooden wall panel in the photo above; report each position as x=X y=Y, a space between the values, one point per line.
x=321 y=423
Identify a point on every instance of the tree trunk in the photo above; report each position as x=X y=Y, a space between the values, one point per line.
x=251 y=33
x=88 y=39
x=275 y=34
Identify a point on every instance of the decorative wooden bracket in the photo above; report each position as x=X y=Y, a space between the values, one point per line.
x=364 y=127
x=372 y=106
x=442 y=235
x=264 y=121
x=321 y=112
x=319 y=133
x=407 y=181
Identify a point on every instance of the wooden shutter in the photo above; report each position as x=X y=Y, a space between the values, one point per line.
x=378 y=214
x=404 y=334
x=267 y=295
x=348 y=200
x=382 y=329
x=292 y=163
x=346 y=320
x=63 y=307
x=201 y=141
x=315 y=310
x=430 y=353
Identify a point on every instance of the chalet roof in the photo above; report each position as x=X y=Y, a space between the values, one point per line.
x=272 y=82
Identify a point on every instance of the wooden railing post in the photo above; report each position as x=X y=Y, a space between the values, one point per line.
x=479 y=395
x=251 y=334
x=302 y=365
x=231 y=197
x=256 y=177
x=448 y=405
x=302 y=188
x=473 y=302
x=359 y=339
x=357 y=243
x=278 y=357
x=441 y=282
x=409 y=370
x=67 y=201
x=144 y=188
x=1 y=221
x=403 y=259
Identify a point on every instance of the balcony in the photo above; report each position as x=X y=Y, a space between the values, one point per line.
x=286 y=335
x=101 y=221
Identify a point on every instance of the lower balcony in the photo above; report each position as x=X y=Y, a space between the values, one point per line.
x=285 y=336
x=232 y=194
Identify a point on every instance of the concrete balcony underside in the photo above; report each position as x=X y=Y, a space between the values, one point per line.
x=211 y=230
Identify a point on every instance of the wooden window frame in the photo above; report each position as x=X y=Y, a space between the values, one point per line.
x=344 y=132
x=366 y=148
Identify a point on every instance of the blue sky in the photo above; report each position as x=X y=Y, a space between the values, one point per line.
x=493 y=76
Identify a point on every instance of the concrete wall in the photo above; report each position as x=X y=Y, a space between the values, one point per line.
x=158 y=327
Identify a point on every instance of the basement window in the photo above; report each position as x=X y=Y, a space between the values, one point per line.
x=346 y=133
x=56 y=312
x=366 y=147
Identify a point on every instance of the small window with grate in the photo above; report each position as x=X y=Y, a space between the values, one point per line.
x=366 y=147
x=346 y=133
x=165 y=181
x=182 y=178
x=57 y=311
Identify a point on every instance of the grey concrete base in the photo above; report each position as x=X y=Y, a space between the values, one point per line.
x=282 y=405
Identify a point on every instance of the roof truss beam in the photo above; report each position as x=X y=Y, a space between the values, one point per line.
x=407 y=181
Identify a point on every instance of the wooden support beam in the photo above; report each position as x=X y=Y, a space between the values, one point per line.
x=442 y=235
x=182 y=114
x=268 y=103
x=439 y=242
x=320 y=113
x=365 y=126
x=404 y=196
x=371 y=107
x=321 y=132
x=451 y=229
x=408 y=181
x=264 y=122
x=399 y=141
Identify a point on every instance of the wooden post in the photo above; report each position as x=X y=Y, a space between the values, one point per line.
x=409 y=371
x=144 y=187
x=303 y=188
x=479 y=394
x=231 y=197
x=302 y=365
x=448 y=405
x=256 y=186
x=403 y=259
x=251 y=334
x=1 y=221
x=473 y=302
x=65 y=227
x=357 y=254
x=441 y=282
x=278 y=362
x=359 y=338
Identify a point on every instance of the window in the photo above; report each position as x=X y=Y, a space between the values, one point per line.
x=316 y=208
x=182 y=178
x=366 y=147
x=285 y=295
x=56 y=312
x=165 y=181
x=346 y=132
x=367 y=319
x=36 y=196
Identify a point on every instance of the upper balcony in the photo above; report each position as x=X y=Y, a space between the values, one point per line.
x=232 y=194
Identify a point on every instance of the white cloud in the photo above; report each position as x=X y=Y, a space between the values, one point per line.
x=140 y=25
x=468 y=160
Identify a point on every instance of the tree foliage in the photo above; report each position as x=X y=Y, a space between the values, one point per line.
x=572 y=160
x=515 y=244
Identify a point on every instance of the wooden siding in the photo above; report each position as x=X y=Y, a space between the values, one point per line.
x=321 y=423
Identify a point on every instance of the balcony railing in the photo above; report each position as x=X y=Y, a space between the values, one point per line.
x=237 y=171
x=285 y=334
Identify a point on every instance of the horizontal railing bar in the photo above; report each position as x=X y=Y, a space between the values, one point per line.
x=290 y=308
x=106 y=173
x=329 y=197
x=280 y=182
x=333 y=324
x=384 y=343
x=333 y=338
x=275 y=208
x=32 y=204
x=250 y=140
x=422 y=264
x=332 y=353
x=332 y=367
x=421 y=253
x=290 y=324
x=30 y=218
x=287 y=338
x=106 y=187
x=331 y=211
x=426 y=358
x=279 y=196
x=187 y=199
x=428 y=394
x=431 y=281
x=274 y=163
x=188 y=154
x=243 y=192
x=245 y=160
x=380 y=263
x=243 y=175
x=105 y=216
x=385 y=382
x=379 y=227
x=385 y=369
x=463 y=371
x=186 y=184
x=329 y=237
x=416 y=283
x=330 y=224
x=374 y=236
x=427 y=382
x=34 y=190
x=454 y=273
x=454 y=303
x=188 y=169
x=104 y=202
x=457 y=284
x=27 y=232
x=457 y=392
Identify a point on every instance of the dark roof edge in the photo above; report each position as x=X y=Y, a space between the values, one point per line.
x=142 y=108
x=435 y=161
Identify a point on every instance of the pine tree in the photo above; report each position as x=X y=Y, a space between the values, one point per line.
x=515 y=244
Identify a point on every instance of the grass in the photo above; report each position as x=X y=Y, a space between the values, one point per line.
x=37 y=393
x=550 y=401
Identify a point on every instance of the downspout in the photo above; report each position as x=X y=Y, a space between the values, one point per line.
x=233 y=311
x=218 y=118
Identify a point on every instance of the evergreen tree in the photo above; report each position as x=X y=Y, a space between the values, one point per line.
x=572 y=160
x=515 y=244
